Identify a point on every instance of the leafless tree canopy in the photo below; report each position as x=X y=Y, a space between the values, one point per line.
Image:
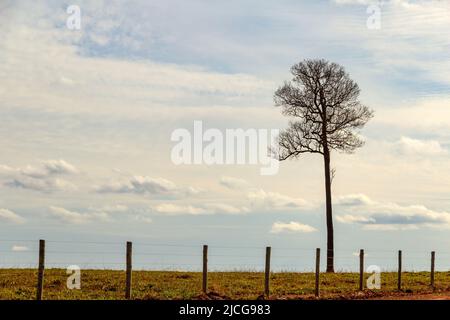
x=323 y=102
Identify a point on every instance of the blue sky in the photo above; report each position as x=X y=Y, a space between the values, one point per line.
x=87 y=117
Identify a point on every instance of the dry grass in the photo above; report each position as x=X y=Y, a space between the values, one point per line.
x=109 y=284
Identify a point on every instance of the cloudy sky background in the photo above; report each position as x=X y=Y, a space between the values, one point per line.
x=87 y=117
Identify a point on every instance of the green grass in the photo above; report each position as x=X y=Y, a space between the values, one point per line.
x=109 y=284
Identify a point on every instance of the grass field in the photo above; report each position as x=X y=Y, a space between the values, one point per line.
x=109 y=284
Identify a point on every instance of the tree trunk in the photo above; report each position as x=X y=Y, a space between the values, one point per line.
x=329 y=213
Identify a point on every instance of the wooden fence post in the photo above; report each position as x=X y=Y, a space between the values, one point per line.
x=433 y=258
x=205 y=269
x=399 y=276
x=317 y=271
x=361 y=270
x=40 y=283
x=129 y=270
x=267 y=272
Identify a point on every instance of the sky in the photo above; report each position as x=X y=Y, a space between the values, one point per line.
x=87 y=117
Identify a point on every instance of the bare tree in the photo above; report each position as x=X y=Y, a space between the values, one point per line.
x=323 y=103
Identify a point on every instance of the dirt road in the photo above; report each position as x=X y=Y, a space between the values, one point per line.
x=430 y=296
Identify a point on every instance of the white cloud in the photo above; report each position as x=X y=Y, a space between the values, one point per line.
x=234 y=183
x=353 y=200
x=417 y=117
x=140 y=184
x=257 y=200
x=409 y=146
x=262 y=200
x=44 y=177
x=188 y=209
x=74 y=217
x=175 y=209
x=281 y=227
x=10 y=217
x=17 y=248
x=348 y=218
x=389 y=227
x=110 y=208
x=269 y=201
x=104 y=86
x=375 y=215
x=227 y=208
x=100 y=214
x=147 y=186
x=51 y=167
x=419 y=51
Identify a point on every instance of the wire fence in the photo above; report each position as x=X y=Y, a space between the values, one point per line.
x=16 y=254
x=184 y=257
